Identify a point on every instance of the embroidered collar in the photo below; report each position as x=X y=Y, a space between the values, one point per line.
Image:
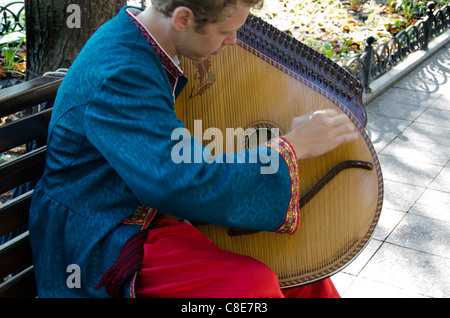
x=174 y=72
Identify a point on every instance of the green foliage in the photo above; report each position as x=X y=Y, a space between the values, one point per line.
x=12 y=43
x=13 y=58
x=327 y=49
x=413 y=8
x=339 y=28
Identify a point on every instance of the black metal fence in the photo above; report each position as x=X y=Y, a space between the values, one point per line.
x=367 y=67
x=375 y=62
x=12 y=17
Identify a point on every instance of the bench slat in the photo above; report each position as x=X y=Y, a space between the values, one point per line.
x=24 y=130
x=22 y=285
x=23 y=169
x=28 y=94
x=15 y=255
x=14 y=213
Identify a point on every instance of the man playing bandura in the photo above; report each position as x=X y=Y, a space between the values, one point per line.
x=109 y=174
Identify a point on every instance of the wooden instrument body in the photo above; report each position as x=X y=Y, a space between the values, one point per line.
x=246 y=86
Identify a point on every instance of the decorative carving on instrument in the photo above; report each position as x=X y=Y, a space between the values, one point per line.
x=203 y=78
x=350 y=164
x=306 y=62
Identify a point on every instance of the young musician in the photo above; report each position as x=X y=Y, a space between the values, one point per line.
x=96 y=225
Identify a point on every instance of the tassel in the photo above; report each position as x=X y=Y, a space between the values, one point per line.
x=128 y=262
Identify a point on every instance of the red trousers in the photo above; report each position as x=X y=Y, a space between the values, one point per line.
x=180 y=262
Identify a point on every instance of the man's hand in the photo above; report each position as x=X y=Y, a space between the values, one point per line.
x=320 y=132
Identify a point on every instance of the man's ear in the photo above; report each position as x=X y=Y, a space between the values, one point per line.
x=182 y=18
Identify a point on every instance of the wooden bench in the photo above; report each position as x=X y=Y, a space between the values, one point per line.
x=16 y=267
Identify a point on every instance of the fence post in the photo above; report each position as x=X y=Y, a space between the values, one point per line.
x=429 y=24
x=368 y=59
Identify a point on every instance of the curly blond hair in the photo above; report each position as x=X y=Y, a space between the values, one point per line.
x=205 y=11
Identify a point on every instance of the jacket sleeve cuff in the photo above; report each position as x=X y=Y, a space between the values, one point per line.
x=286 y=151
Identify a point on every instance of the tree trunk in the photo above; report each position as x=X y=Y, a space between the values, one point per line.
x=57 y=30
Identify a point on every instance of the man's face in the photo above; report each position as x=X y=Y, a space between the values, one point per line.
x=213 y=38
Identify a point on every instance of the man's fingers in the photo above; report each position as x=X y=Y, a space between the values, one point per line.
x=343 y=130
x=329 y=112
x=345 y=133
x=316 y=133
x=345 y=127
x=346 y=138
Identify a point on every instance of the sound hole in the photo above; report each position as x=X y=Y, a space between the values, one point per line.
x=259 y=133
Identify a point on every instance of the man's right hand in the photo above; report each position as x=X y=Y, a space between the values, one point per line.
x=320 y=132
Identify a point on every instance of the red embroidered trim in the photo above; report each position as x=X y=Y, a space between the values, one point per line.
x=133 y=286
x=143 y=216
x=172 y=70
x=284 y=148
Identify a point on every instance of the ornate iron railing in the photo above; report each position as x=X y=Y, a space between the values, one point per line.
x=375 y=62
x=12 y=17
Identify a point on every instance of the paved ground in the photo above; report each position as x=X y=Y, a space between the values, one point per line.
x=409 y=254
